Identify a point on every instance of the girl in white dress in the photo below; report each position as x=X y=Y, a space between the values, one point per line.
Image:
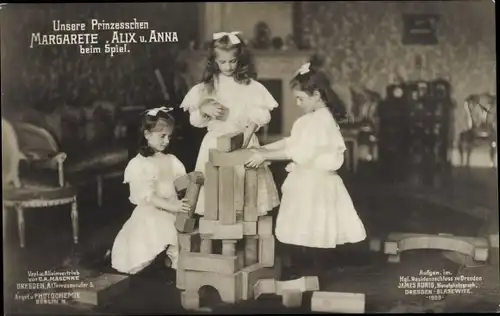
x=228 y=100
x=150 y=175
x=316 y=210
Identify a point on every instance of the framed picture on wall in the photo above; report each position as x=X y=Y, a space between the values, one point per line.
x=420 y=29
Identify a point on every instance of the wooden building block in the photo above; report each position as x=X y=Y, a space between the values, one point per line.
x=184 y=223
x=231 y=159
x=222 y=264
x=192 y=193
x=190 y=300
x=189 y=242
x=272 y=286
x=337 y=302
x=216 y=230
x=230 y=142
x=211 y=188
x=476 y=247
x=206 y=245
x=227 y=211
x=481 y=254
x=303 y=284
x=228 y=286
x=265 y=227
x=180 y=278
x=266 y=251
x=292 y=298
x=251 y=250
x=241 y=257
x=182 y=183
x=229 y=247
x=239 y=193
x=104 y=288
x=249 y=228
x=250 y=210
x=250 y=275
x=391 y=247
x=264 y=286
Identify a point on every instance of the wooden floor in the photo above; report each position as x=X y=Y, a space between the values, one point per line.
x=351 y=268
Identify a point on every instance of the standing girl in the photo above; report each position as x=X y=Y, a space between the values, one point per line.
x=150 y=175
x=316 y=210
x=229 y=100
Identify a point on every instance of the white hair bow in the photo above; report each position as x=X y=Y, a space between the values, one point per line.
x=232 y=36
x=154 y=112
x=305 y=68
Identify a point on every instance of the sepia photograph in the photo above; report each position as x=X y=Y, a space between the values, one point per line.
x=263 y=157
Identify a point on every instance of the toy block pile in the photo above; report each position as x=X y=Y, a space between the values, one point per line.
x=231 y=220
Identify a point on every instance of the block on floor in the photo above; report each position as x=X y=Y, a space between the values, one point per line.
x=337 y=302
x=249 y=277
x=292 y=298
x=102 y=288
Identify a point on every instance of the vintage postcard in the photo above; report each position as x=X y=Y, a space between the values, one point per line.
x=249 y=157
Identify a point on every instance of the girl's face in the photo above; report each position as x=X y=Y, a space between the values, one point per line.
x=226 y=61
x=306 y=102
x=159 y=137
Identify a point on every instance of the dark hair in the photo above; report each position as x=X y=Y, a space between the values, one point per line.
x=148 y=123
x=245 y=69
x=315 y=80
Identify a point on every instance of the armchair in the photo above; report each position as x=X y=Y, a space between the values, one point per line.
x=481 y=112
x=92 y=135
x=29 y=179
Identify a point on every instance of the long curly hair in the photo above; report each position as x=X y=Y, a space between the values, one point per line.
x=245 y=68
x=149 y=122
x=317 y=80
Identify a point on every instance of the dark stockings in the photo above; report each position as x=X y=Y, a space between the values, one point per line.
x=300 y=261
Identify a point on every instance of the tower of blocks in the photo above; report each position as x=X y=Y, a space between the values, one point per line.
x=232 y=247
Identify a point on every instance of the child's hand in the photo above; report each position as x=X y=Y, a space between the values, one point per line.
x=255 y=160
x=213 y=110
x=184 y=206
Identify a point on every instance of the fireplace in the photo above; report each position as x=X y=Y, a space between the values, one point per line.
x=275 y=87
x=275 y=70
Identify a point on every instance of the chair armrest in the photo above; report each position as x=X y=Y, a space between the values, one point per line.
x=55 y=163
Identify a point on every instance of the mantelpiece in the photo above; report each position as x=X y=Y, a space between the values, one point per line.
x=277 y=65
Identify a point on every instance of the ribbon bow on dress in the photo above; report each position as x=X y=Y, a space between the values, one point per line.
x=305 y=68
x=154 y=112
x=232 y=36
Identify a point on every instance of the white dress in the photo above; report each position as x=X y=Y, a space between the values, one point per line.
x=316 y=209
x=149 y=230
x=247 y=104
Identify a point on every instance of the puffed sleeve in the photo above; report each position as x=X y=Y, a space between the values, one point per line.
x=178 y=167
x=141 y=175
x=330 y=155
x=259 y=111
x=296 y=145
x=191 y=103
